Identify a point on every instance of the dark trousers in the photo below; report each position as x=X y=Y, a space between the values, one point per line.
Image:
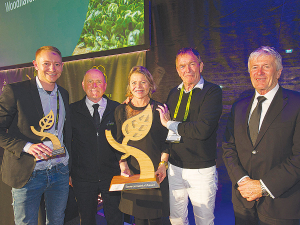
x=86 y=194
x=157 y=221
x=244 y=216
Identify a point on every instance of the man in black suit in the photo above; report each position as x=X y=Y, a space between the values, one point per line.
x=95 y=162
x=27 y=164
x=262 y=147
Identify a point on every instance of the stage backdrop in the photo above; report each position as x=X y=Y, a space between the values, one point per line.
x=115 y=67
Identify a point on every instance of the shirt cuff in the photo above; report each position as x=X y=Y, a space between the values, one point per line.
x=240 y=180
x=27 y=146
x=263 y=184
x=173 y=126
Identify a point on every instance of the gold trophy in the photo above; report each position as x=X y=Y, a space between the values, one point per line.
x=134 y=129
x=45 y=124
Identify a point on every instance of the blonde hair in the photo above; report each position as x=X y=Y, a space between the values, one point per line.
x=50 y=48
x=147 y=74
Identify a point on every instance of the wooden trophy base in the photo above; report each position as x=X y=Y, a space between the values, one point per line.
x=59 y=151
x=120 y=183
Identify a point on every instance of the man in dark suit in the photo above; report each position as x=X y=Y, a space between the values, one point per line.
x=27 y=164
x=262 y=147
x=95 y=162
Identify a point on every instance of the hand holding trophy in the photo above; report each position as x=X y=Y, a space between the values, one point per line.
x=134 y=129
x=45 y=124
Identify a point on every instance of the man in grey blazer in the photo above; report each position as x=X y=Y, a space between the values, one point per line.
x=262 y=147
x=28 y=166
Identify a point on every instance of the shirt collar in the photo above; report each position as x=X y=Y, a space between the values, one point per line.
x=39 y=86
x=200 y=85
x=270 y=95
x=90 y=103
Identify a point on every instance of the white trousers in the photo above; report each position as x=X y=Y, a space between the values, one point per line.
x=200 y=185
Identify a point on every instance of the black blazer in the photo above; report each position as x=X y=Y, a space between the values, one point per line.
x=93 y=158
x=20 y=108
x=277 y=158
x=198 y=144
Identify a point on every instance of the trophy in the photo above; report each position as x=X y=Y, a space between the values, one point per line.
x=45 y=124
x=134 y=129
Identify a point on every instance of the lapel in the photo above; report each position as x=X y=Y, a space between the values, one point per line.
x=279 y=102
x=107 y=109
x=82 y=109
x=245 y=111
x=36 y=98
x=64 y=97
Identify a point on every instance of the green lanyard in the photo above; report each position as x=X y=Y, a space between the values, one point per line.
x=187 y=108
x=57 y=114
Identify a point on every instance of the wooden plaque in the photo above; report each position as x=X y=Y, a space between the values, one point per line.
x=119 y=183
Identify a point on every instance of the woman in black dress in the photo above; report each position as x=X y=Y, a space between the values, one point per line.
x=148 y=206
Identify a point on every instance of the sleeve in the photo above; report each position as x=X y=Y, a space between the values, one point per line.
x=114 y=131
x=112 y=126
x=118 y=121
x=8 y=111
x=163 y=134
x=230 y=154
x=208 y=117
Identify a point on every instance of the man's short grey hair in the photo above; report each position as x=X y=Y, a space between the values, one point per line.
x=266 y=50
x=184 y=51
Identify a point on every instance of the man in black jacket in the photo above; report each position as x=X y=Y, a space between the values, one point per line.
x=95 y=161
x=195 y=108
x=262 y=147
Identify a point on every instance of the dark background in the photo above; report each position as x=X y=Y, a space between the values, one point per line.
x=225 y=32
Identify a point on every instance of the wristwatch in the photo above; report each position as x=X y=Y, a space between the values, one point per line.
x=264 y=191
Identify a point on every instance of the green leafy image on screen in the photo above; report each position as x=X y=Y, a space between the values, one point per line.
x=111 y=24
x=78 y=28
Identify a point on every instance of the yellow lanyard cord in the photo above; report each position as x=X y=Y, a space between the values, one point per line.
x=187 y=108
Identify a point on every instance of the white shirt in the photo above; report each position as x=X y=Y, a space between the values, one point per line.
x=102 y=106
x=200 y=85
x=173 y=125
x=265 y=104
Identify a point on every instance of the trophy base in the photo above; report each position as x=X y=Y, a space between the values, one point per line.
x=56 y=153
x=120 y=183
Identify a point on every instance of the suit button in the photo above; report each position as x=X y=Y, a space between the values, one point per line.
x=254 y=152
